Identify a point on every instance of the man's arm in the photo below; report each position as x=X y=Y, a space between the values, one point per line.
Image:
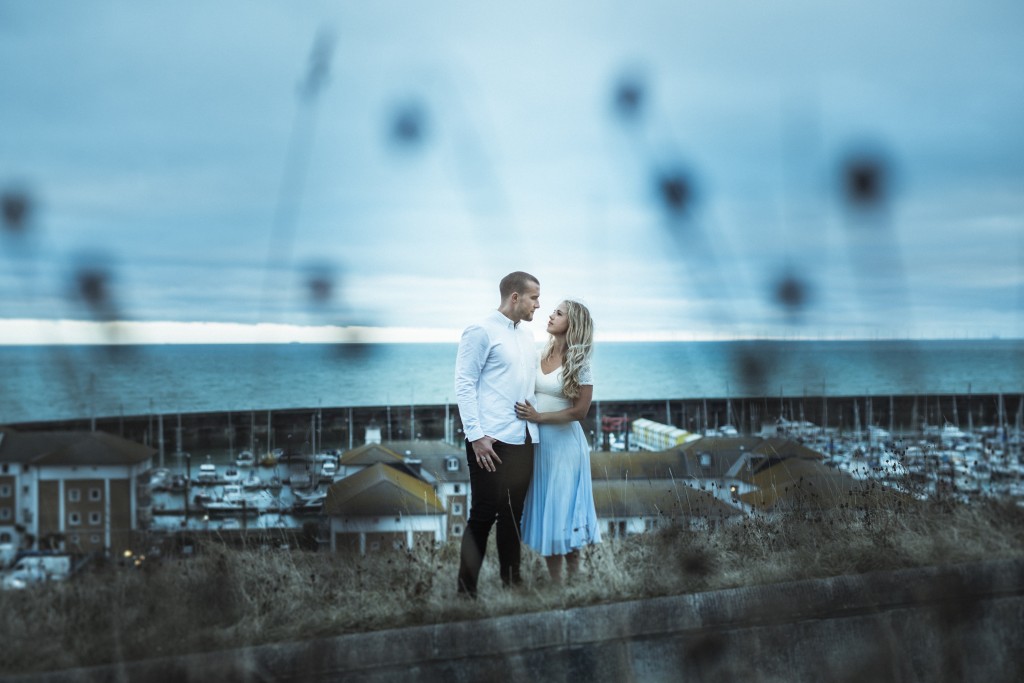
x=469 y=363
x=574 y=413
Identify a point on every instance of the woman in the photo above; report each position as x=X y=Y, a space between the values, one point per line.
x=559 y=516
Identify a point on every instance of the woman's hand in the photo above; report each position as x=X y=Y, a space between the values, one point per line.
x=524 y=411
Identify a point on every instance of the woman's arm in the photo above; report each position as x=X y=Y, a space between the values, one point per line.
x=577 y=411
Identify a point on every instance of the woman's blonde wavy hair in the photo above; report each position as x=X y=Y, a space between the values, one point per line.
x=579 y=340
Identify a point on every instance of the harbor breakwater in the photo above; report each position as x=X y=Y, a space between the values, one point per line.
x=304 y=429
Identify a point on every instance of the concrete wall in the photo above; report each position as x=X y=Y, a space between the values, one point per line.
x=950 y=623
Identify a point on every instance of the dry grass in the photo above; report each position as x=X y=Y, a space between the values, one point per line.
x=224 y=597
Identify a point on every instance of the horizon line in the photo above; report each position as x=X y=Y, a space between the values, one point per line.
x=67 y=332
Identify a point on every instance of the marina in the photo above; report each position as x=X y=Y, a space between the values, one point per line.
x=284 y=489
x=983 y=462
x=277 y=495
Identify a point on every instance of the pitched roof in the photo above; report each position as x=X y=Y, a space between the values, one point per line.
x=657 y=498
x=370 y=454
x=426 y=448
x=807 y=483
x=787 y=448
x=719 y=454
x=705 y=458
x=434 y=456
x=619 y=465
x=71 y=448
x=381 y=491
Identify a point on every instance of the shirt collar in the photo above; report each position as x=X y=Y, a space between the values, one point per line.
x=504 y=319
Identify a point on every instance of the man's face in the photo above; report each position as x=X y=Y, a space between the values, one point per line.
x=527 y=302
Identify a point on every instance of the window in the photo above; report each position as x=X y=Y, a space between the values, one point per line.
x=94 y=539
x=451 y=464
x=74 y=539
x=5 y=490
x=95 y=494
x=457 y=530
x=5 y=514
x=458 y=488
x=5 y=538
x=456 y=508
x=75 y=518
x=74 y=495
x=95 y=519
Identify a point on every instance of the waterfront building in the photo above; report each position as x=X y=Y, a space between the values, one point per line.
x=438 y=463
x=383 y=508
x=75 y=491
x=627 y=507
x=705 y=482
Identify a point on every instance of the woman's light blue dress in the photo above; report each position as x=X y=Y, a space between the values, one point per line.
x=559 y=514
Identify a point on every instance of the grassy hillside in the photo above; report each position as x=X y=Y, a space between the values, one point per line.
x=223 y=597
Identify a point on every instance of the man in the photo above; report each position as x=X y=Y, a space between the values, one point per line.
x=494 y=369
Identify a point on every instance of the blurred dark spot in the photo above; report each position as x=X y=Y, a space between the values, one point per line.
x=15 y=205
x=320 y=288
x=352 y=345
x=629 y=97
x=955 y=609
x=751 y=368
x=408 y=124
x=865 y=180
x=706 y=650
x=697 y=564
x=319 y=65
x=791 y=292
x=319 y=284
x=93 y=286
x=675 y=189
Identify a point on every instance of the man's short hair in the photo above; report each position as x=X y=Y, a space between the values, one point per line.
x=515 y=282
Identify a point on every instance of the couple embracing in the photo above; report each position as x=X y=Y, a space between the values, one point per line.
x=529 y=460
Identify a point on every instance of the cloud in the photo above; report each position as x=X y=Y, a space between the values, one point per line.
x=172 y=141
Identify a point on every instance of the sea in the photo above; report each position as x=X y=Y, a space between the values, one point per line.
x=39 y=383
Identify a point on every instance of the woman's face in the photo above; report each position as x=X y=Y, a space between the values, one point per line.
x=558 y=321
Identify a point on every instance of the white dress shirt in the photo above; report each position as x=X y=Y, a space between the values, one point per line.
x=493 y=370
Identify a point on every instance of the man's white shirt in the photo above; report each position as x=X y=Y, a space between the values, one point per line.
x=495 y=367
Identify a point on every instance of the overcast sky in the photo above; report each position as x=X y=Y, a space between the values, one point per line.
x=689 y=169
